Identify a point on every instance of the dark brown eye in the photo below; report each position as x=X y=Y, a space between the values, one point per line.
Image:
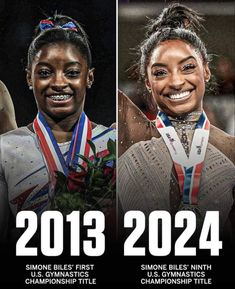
x=44 y=73
x=189 y=66
x=160 y=73
x=73 y=73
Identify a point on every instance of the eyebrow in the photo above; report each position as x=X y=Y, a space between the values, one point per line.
x=181 y=61
x=73 y=63
x=41 y=63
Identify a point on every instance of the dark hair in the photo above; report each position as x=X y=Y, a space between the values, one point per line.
x=175 y=22
x=77 y=37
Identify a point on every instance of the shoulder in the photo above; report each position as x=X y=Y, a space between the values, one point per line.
x=16 y=137
x=20 y=139
x=102 y=132
x=223 y=142
x=18 y=132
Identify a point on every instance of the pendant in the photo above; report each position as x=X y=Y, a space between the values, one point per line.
x=193 y=208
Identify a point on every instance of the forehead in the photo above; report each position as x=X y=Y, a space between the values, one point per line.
x=173 y=51
x=59 y=52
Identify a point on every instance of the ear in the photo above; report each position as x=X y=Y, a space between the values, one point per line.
x=90 y=77
x=28 y=77
x=147 y=85
x=207 y=72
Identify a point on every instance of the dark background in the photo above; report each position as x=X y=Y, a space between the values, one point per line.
x=18 y=19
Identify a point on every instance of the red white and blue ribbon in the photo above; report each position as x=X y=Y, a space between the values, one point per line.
x=188 y=168
x=51 y=152
x=48 y=24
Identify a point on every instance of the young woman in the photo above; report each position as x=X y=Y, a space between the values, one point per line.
x=7 y=112
x=179 y=161
x=59 y=73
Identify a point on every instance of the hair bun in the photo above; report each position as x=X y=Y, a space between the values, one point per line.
x=176 y=16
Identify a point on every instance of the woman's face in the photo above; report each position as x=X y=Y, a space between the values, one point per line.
x=176 y=76
x=59 y=76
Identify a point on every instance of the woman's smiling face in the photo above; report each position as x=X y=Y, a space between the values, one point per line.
x=59 y=76
x=176 y=76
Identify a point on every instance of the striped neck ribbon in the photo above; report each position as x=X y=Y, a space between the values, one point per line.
x=52 y=155
x=188 y=168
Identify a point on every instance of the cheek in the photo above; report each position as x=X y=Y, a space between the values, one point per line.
x=40 y=83
x=79 y=83
x=201 y=83
x=158 y=86
x=198 y=78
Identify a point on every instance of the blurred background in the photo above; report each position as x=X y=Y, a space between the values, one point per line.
x=98 y=17
x=219 y=39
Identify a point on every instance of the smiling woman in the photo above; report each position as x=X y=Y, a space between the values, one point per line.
x=62 y=143
x=176 y=77
x=178 y=161
x=59 y=77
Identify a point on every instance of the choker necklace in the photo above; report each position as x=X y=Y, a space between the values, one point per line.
x=190 y=117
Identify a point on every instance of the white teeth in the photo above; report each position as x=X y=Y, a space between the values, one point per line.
x=60 y=97
x=179 y=95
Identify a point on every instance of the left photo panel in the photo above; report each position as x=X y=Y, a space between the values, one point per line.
x=57 y=142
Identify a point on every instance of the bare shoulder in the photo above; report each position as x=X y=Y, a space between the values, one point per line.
x=223 y=141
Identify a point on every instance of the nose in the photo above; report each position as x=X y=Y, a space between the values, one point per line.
x=176 y=80
x=58 y=82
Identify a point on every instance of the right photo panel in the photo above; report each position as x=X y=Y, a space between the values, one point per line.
x=176 y=144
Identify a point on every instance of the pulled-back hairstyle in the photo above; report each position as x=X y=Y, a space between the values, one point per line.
x=175 y=22
x=61 y=28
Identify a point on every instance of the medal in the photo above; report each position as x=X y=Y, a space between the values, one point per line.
x=193 y=208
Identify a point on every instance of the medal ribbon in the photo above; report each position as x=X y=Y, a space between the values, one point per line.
x=188 y=169
x=51 y=152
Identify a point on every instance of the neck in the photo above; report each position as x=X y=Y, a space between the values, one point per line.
x=62 y=128
x=192 y=116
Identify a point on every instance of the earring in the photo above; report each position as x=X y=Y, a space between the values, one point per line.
x=89 y=85
x=149 y=90
x=30 y=87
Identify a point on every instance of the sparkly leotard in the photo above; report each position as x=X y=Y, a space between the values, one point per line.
x=147 y=179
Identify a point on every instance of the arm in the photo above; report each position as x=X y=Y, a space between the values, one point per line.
x=7 y=112
x=4 y=211
x=4 y=206
x=223 y=142
x=133 y=125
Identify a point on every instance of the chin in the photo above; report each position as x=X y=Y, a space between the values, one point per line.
x=181 y=110
x=59 y=114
